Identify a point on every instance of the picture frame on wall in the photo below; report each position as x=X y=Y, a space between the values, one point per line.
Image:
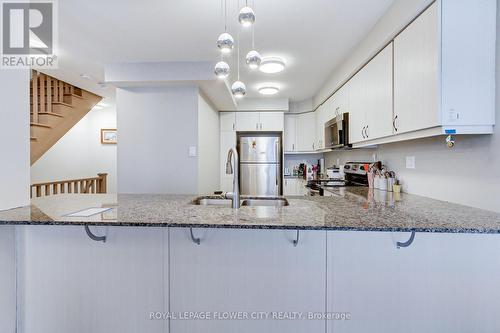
x=109 y=136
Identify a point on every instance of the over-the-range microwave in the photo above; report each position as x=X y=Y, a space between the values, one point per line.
x=337 y=132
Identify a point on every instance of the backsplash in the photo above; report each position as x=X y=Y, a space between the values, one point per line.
x=467 y=174
x=296 y=159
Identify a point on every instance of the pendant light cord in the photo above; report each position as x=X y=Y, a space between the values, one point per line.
x=238 y=55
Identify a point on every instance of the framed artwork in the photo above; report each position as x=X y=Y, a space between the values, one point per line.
x=108 y=136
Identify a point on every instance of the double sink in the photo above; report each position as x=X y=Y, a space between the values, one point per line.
x=250 y=202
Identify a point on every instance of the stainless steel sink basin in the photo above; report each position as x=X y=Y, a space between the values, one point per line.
x=250 y=202
x=265 y=202
x=212 y=202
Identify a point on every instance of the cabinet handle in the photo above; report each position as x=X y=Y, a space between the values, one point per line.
x=233 y=126
x=295 y=242
x=363 y=132
x=260 y=126
x=408 y=242
x=94 y=237
x=257 y=126
x=313 y=145
x=195 y=240
x=394 y=123
x=293 y=146
x=366 y=131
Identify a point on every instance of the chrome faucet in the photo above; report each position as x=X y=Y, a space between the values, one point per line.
x=235 y=195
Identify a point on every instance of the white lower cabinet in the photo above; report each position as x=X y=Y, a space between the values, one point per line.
x=294 y=187
x=247 y=271
x=70 y=283
x=7 y=279
x=440 y=283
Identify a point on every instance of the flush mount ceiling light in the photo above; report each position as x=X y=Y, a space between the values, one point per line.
x=253 y=59
x=246 y=17
x=222 y=69
x=225 y=42
x=238 y=89
x=269 y=90
x=86 y=76
x=272 y=65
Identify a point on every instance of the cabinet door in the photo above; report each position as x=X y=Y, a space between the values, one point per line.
x=70 y=283
x=227 y=141
x=291 y=186
x=416 y=72
x=247 y=271
x=357 y=105
x=320 y=126
x=440 y=283
x=340 y=103
x=247 y=121
x=378 y=103
x=290 y=133
x=306 y=131
x=227 y=121
x=7 y=279
x=272 y=121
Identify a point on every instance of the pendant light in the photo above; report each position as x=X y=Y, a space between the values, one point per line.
x=222 y=69
x=253 y=57
x=246 y=16
x=225 y=42
x=238 y=88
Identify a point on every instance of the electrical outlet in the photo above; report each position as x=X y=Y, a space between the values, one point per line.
x=192 y=151
x=410 y=162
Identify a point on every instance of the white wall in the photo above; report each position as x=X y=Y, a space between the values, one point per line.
x=156 y=127
x=7 y=279
x=467 y=174
x=79 y=153
x=14 y=138
x=208 y=147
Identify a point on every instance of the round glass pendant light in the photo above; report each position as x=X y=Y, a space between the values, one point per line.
x=238 y=89
x=246 y=17
x=272 y=65
x=222 y=69
x=269 y=90
x=225 y=42
x=253 y=59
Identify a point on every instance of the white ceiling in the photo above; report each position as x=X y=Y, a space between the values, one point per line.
x=313 y=36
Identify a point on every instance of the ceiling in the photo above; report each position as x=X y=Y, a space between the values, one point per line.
x=313 y=36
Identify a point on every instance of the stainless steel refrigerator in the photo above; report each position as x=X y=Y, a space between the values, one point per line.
x=260 y=164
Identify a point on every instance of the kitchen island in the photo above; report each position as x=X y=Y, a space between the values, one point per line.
x=357 y=261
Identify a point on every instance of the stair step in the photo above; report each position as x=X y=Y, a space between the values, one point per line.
x=33 y=139
x=40 y=125
x=62 y=103
x=50 y=114
x=74 y=95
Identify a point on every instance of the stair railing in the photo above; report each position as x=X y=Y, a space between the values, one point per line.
x=94 y=185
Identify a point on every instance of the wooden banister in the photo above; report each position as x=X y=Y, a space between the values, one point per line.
x=94 y=185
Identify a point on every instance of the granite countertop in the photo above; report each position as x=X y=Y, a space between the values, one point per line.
x=350 y=208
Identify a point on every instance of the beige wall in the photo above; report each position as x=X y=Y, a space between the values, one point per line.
x=469 y=174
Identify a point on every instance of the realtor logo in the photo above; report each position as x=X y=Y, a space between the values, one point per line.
x=28 y=34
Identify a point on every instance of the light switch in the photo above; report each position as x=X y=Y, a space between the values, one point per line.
x=410 y=162
x=192 y=151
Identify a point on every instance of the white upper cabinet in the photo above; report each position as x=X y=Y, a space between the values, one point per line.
x=259 y=121
x=272 y=121
x=247 y=121
x=370 y=99
x=416 y=76
x=227 y=121
x=379 y=95
x=306 y=131
x=290 y=133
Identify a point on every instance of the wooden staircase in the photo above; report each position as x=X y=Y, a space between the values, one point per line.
x=56 y=107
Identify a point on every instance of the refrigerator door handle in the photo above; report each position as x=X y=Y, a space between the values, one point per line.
x=277 y=166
